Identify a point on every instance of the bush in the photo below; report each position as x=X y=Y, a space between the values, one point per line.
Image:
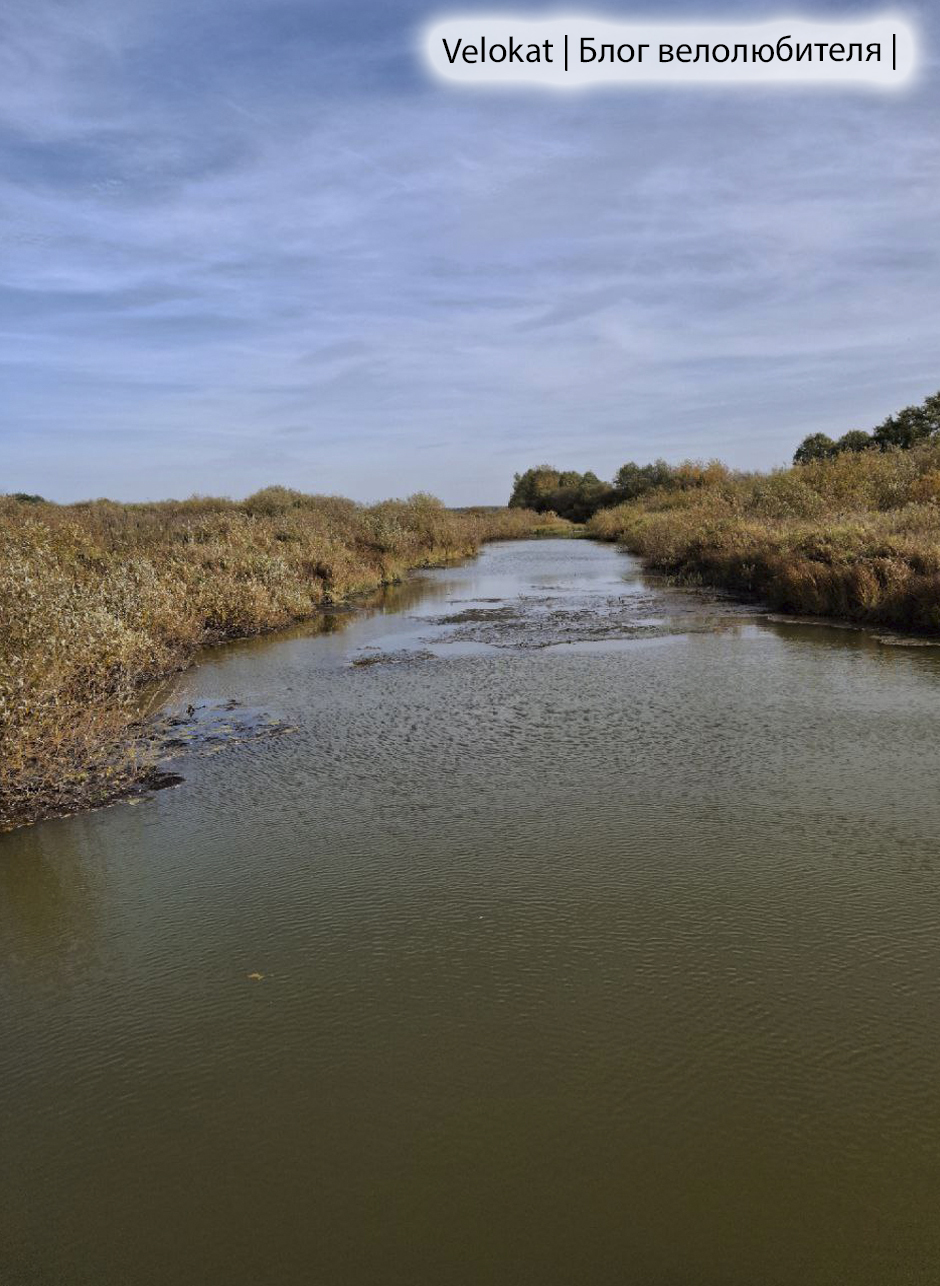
x=855 y=534
x=100 y=598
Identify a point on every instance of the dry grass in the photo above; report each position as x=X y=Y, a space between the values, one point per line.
x=98 y=599
x=857 y=536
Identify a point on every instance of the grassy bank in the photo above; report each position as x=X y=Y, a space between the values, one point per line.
x=856 y=535
x=99 y=599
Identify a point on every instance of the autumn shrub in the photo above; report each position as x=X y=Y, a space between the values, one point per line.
x=856 y=535
x=99 y=599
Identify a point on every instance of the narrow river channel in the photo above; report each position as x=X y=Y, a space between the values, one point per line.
x=535 y=924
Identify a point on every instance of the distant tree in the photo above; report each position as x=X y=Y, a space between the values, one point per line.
x=909 y=426
x=571 y=494
x=629 y=481
x=855 y=440
x=583 y=498
x=818 y=446
x=633 y=480
x=531 y=489
x=26 y=498
x=659 y=474
x=901 y=431
x=931 y=406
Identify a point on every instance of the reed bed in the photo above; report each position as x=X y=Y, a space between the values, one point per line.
x=856 y=536
x=99 y=599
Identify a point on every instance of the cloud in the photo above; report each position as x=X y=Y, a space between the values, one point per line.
x=232 y=227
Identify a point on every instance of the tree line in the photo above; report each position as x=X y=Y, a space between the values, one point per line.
x=906 y=429
x=578 y=496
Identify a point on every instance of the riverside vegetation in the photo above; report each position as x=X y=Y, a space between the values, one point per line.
x=98 y=600
x=856 y=535
x=852 y=529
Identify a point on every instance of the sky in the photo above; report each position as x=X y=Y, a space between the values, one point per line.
x=246 y=242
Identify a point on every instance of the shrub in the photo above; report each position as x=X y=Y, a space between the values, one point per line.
x=856 y=534
x=99 y=598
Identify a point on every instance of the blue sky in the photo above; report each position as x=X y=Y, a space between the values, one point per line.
x=245 y=243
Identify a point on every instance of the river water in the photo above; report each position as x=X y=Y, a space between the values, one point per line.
x=571 y=929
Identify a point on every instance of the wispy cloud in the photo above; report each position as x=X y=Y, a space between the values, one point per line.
x=236 y=246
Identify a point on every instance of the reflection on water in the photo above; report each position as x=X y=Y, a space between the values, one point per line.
x=598 y=926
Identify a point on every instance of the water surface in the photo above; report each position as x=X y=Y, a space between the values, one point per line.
x=598 y=928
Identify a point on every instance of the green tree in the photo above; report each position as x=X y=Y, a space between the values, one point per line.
x=818 y=446
x=530 y=489
x=634 y=480
x=582 y=498
x=629 y=480
x=909 y=426
x=573 y=495
x=855 y=440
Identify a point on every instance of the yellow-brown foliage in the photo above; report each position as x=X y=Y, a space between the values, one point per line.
x=857 y=536
x=98 y=598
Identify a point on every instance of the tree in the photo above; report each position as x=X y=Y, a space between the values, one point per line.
x=582 y=498
x=629 y=481
x=909 y=426
x=633 y=480
x=530 y=489
x=818 y=446
x=855 y=440
x=571 y=494
x=901 y=431
x=659 y=474
x=905 y=429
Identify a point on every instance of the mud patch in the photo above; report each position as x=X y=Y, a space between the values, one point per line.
x=156 y=780
x=377 y=657
x=481 y=615
x=542 y=621
x=824 y=622
x=205 y=729
x=905 y=640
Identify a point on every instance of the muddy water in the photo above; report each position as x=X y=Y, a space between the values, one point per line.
x=572 y=930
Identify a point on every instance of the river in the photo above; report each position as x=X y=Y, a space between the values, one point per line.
x=570 y=929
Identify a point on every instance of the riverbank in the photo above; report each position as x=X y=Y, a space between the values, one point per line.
x=101 y=599
x=856 y=536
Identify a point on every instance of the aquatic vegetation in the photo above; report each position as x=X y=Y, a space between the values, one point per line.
x=855 y=534
x=98 y=599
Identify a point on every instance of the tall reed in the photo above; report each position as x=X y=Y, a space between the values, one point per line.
x=856 y=536
x=97 y=599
